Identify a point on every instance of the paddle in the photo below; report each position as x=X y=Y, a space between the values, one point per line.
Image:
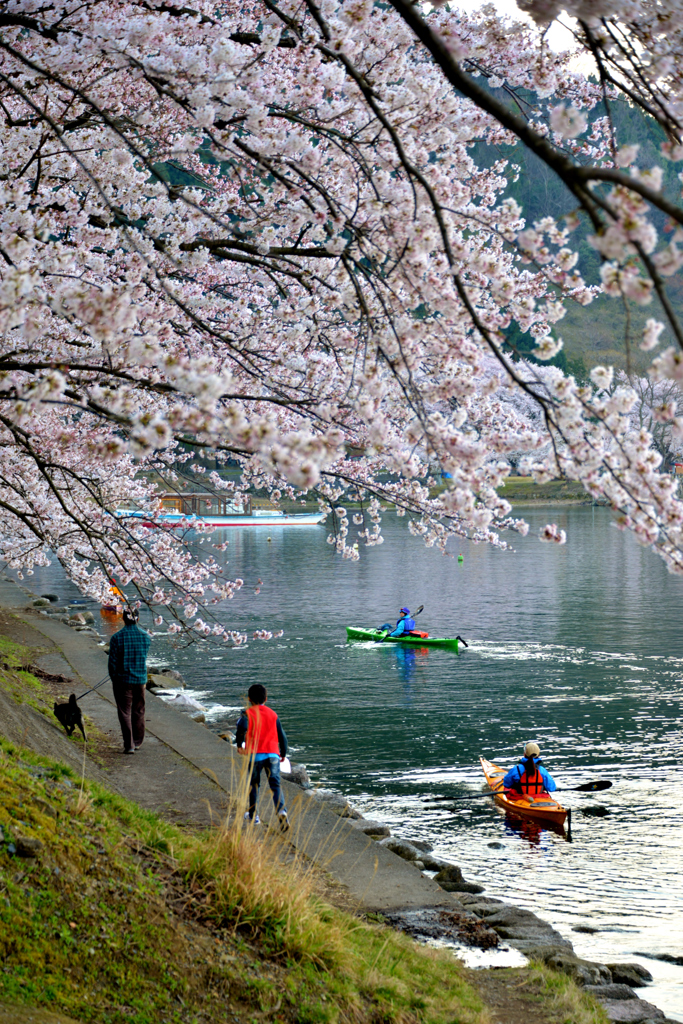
x=587 y=787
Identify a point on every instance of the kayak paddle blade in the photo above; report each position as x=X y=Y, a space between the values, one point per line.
x=594 y=787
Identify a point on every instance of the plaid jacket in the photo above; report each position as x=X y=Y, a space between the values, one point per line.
x=128 y=656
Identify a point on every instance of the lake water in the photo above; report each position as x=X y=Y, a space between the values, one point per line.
x=578 y=647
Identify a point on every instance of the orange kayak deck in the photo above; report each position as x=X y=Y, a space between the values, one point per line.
x=538 y=808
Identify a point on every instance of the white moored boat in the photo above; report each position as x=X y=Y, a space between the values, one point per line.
x=181 y=510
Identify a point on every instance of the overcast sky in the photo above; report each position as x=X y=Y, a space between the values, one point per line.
x=558 y=37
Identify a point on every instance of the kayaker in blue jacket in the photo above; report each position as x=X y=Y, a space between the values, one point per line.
x=404 y=624
x=529 y=777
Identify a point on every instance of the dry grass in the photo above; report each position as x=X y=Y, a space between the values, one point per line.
x=248 y=880
x=253 y=878
x=569 y=1003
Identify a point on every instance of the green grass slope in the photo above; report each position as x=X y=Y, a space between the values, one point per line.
x=110 y=915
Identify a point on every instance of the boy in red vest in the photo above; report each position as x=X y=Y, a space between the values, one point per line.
x=266 y=745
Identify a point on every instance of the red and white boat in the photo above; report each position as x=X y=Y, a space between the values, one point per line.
x=183 y=511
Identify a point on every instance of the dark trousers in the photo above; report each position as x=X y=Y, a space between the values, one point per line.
x=130 y=704
x=272 y=769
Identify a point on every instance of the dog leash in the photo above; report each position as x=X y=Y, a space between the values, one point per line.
x=96 y=687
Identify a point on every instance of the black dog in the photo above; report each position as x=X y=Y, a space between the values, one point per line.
x=70 y=715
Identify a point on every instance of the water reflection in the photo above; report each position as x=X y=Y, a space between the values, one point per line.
x=409 y=663
x=405 y=660
x=532 y=831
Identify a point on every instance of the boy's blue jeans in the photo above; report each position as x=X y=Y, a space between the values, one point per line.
x=271 y=766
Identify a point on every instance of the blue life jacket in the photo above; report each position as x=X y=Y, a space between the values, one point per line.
x=403 y=625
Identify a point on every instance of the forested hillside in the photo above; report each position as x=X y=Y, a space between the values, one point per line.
x=605 y=331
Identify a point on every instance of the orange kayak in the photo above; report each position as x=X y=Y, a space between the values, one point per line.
x=540 y=808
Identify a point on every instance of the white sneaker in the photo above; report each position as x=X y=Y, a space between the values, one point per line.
x=252 y=821
x=284 y=821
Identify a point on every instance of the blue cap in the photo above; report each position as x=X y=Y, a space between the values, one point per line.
x=405 y=611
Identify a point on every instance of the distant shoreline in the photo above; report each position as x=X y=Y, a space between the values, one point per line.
x=554 y=501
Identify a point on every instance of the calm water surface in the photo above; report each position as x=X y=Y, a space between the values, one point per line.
x=578 y=647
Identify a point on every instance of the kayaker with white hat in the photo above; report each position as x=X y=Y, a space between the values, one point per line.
x=529 y=777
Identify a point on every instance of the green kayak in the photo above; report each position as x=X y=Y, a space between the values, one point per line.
x=409 y=641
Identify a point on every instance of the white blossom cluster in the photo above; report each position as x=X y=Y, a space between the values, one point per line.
x=259 y=229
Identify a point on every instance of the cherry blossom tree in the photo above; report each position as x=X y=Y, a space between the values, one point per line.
x=658 y=406
x=259 y=230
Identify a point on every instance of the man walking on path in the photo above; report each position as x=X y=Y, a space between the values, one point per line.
x=266 y=746
x=128 y=673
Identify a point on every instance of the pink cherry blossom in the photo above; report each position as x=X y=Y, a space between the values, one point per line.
x=260 y=233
